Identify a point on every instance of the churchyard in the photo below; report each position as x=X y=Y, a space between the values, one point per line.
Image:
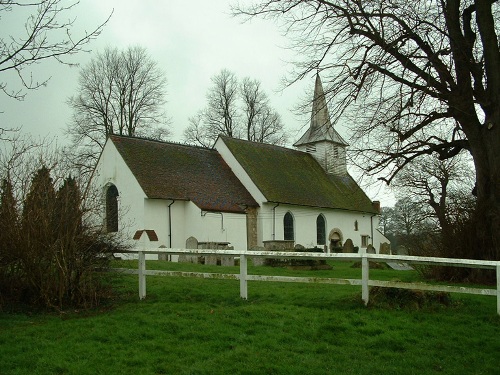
x=200 y=326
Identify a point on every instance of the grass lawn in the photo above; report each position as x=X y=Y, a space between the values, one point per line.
x=196 y=326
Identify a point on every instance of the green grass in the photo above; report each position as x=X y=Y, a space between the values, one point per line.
x=196 y=326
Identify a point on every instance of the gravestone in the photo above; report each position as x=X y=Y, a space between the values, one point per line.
x=370 y=249
x=257 y=261
x=385 y=248
x=191 y=243
x=163 y=256
x=227 y=260
x=348 y=246
x=402 y=250
x=210 y=260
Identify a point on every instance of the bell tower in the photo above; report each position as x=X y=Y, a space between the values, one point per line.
x=321 y=140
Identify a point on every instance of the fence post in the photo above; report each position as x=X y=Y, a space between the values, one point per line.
x=243 y=277
x=498 y=288
x=142 y=275
x=365 y=270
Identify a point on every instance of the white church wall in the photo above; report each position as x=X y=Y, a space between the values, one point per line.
x=215 y=227
x=111 y=169
x=305 y=231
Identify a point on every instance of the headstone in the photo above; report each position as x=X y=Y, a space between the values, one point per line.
x=257 y=261
x=191 y=243
x=227 y=260
x=348 y=246
x=210 y=260
x=370 y=249
x=163 y=256
x=385 y=248
x=402 y=250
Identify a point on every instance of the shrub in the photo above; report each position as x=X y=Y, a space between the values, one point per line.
x=48 y=254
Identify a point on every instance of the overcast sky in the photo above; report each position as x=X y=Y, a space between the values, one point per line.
x=190 y=40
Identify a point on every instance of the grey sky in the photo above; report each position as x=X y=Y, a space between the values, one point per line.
x=191 y=41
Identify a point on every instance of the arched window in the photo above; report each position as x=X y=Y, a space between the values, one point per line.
x=288 y=227
x=112 y=209
x=320 y=230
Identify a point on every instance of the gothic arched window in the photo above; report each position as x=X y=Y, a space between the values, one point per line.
x=320 y=230
x=288 y=227
x=112 y=209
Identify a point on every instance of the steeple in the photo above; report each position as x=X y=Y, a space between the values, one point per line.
x=319 y=116
x=321 y=140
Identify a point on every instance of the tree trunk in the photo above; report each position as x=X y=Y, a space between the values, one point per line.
x=486 y=154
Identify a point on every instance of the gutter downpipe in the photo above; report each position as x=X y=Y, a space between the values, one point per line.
x=274 y=221
x=170 y=226
x=371 y=228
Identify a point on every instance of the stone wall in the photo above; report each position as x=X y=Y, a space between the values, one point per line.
x=251 y=227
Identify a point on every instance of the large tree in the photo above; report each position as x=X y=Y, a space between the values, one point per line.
x=119 y=92
x=35 y=31
x=419 y=77
x=235 y=109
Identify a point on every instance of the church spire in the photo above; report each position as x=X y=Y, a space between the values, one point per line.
x=320 y=117
x=321 y=140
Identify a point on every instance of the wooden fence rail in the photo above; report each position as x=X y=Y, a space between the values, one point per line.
x=365 y=281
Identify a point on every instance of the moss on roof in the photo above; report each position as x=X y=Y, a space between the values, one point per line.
x=176 y=171
x=288 y=176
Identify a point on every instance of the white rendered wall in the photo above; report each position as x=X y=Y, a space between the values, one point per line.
x=215 y=227
x=305 y=225
x=111 y=169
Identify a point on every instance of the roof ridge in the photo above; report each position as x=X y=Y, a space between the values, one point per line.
x=159 y=141
x=270 y=145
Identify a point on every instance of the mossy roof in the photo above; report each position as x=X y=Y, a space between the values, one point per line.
x=293 y=177
x=176 y=171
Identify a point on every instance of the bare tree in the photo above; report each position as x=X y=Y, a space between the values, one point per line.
x=441 y=184
x=197 y=133
x=262 y=123
x=119 y=92
x=419 y=78
x=221 y=115
x=47 y=35
x=235 y=110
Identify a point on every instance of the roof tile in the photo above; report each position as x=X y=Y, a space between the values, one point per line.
x=176 y=171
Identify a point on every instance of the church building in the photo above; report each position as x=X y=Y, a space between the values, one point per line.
x=239 y=193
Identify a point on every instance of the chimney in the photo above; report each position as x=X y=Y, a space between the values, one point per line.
x=376 y=206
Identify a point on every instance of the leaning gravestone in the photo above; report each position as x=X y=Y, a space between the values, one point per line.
x=348 y=246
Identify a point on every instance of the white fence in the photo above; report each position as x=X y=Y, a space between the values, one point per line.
x=365 y=281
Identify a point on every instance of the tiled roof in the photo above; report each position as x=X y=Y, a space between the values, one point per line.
x=288 y=176
x=175 y=171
